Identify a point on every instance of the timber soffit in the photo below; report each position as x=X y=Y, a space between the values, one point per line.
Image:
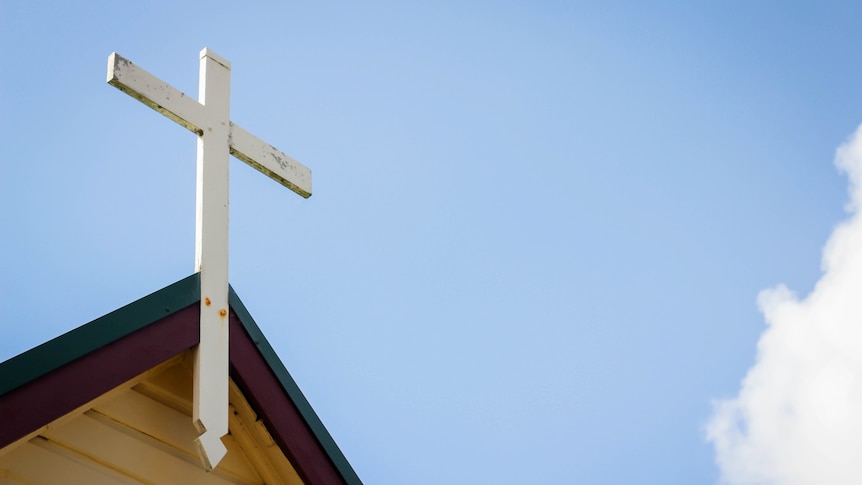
x=66 y=348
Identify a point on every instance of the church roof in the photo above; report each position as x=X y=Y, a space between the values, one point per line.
x=139 y=354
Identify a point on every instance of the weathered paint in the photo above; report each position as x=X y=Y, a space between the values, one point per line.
x=155 y=93
x=270 y=161
x=211 y=367
x=176 y=105
x=218 y=137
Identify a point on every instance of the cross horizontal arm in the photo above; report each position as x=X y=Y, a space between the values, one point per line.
x=176 y=105
x=270 y=161
x=155 y=93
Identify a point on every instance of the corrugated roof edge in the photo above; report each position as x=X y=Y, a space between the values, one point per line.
x=72 y=345
x=76 y=343
x=292 y=389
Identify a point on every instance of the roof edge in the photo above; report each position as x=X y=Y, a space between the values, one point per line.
x=76 y=343
x=292 y=389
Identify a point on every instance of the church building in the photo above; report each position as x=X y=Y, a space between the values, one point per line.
x=111 y=402
x=181 y=386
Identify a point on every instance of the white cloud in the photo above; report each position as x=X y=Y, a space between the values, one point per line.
x=798 y=417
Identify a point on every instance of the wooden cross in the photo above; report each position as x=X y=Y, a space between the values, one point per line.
x=218 y=138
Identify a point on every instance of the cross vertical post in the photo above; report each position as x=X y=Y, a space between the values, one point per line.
x=211 y=259
x=218 y=138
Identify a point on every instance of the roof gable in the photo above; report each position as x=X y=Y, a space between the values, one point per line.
x=59 y=376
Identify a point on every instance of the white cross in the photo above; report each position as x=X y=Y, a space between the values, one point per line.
x=218 y=137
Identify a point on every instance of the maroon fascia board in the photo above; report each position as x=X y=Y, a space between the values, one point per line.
x=282 y=418
x=27 y=408
x=108 y=361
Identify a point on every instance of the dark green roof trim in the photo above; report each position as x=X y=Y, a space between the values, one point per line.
x=79 y=342
x=84 y=340
x=292 y=390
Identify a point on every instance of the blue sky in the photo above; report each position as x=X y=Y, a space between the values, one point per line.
x=538 y=231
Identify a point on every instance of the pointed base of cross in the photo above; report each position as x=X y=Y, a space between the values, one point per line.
x=210 y=450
